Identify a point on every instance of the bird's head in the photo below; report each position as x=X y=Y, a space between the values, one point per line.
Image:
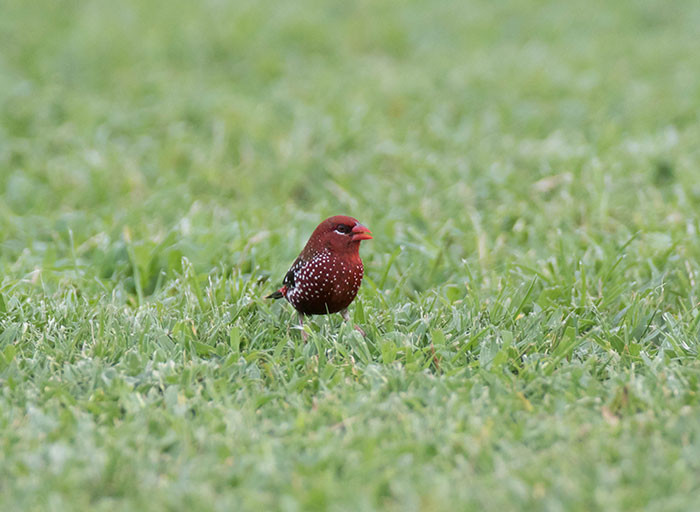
x=339 y=234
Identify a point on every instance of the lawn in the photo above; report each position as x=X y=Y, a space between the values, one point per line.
x=530 y=171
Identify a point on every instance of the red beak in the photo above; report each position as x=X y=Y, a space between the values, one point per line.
x=361 y=233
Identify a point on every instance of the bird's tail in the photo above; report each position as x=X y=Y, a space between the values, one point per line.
x=276 y=295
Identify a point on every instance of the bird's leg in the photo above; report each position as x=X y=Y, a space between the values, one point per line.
x=304 y=336
x=346 y=316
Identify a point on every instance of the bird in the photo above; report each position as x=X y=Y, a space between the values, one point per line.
x=327 y=274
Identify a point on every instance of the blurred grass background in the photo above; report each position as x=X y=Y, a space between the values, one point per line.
x=529 y=170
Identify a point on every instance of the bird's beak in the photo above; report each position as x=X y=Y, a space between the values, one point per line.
x=361 y=232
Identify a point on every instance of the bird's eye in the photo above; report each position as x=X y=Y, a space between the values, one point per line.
x=343 y=229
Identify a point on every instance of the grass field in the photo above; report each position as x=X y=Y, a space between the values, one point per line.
x=530 y=171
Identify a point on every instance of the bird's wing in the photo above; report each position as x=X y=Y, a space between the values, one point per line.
x=287 y=282
x=289 y=277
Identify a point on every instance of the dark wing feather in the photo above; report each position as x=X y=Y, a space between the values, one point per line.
x=289 y=278
x=287 y=282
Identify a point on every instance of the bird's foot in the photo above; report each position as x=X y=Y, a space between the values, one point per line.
x=304 y=334
x=346 y=316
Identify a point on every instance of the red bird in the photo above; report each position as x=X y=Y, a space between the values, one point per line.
x=325 y=277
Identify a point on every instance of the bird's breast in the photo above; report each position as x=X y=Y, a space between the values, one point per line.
x=325 y=284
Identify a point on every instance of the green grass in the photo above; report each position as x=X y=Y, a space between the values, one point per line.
x=529 y=170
